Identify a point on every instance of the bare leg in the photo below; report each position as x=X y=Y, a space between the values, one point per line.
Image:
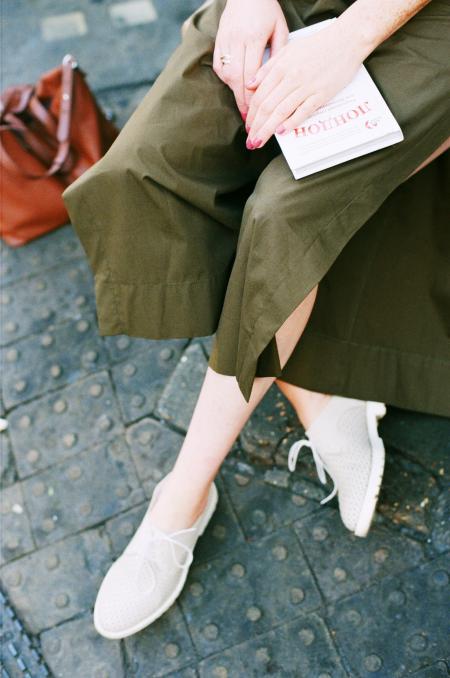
x=219 y=415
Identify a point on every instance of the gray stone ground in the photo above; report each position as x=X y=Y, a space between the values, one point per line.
x=278 y=585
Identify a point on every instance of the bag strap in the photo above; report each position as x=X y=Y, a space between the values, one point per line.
x=62 y=129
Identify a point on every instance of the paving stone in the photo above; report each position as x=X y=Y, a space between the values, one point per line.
x=16 y=536
x=140 y=380
x=440 y=523
x=154 y=448
x=232 y=598
x=61 y=424
x=56 y=295
x=76 y=650
x=261 y=507
x=398 y=622
x=164 y=646
x=438 y=670
x=73 y=495
x=272 y=419
x=406 y=495
x=44 y=362
x=7 y=468
x=57 y=582
x=422 y=437
x=145 y=47
x=132 y=13
x=20 y=655
x=300 y=648
x=344 y=563
x=61 y=244
x=180 y=395
x=221 y=535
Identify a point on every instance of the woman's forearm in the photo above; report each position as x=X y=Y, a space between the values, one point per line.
x=367 y=23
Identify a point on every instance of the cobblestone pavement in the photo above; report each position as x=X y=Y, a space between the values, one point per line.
x=278 y=585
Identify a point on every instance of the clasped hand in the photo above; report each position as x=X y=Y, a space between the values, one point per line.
x=300 y=76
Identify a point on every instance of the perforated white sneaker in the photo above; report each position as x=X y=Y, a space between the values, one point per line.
x=345 y=443
x=149 y=575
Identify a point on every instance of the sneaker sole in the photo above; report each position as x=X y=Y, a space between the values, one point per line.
x=374 y=412
x=169 y=602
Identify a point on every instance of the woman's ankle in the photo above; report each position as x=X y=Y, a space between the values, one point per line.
x=178 y=506
x=307 y=404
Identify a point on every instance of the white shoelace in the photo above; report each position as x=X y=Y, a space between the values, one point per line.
x=159 y=535
x=320 y=466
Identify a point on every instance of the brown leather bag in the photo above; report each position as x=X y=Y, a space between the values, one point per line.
x=50 y=133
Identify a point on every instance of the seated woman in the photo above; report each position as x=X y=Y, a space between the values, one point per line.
x=332 y=286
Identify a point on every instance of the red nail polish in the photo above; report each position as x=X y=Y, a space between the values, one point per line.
x=244 y=116
x=257 y=143
x=280 y=129
x=249 y=145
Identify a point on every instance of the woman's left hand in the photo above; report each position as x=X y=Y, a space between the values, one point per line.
x=304 y=74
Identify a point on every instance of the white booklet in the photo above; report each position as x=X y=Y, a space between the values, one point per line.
x=354 y=122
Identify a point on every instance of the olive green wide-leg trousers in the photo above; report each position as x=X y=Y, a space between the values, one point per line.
x=188 y=233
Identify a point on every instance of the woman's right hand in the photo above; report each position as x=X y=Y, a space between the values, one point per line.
x=245 y=29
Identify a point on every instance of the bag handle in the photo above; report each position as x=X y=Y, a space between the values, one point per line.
x=63 y=127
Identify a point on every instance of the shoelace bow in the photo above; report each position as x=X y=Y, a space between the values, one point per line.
x=158 y=535
x=294 y=451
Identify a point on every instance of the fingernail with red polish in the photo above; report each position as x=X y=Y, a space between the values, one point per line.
x=280 y=129
x=244 y=116
x=257 y=143
x=249 y=144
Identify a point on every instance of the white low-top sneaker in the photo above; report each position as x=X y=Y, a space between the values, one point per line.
x=149 y=575
x=345 y=443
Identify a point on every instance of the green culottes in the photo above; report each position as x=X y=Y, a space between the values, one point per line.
x=188 y=233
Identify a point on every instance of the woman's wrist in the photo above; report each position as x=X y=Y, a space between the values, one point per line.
x=356 y=33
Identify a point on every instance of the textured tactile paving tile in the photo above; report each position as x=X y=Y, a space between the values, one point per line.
x=73 y=495
x=233 y=598
x=56 y=247
x=344 y=563
x=272 y=420
x=61 y=424
x=57 y=582
x=120 y=347
x=407 y=494
x=15 y=530
x=140 y=380
x=94 y=37
x=165 y=645
x=302 y=648
x=261 y=506
x=178 y=399
x=44 y=362
x=422 y=437
x=34 y=304
x=154 y=448
x=397 y=625
x=76 y=650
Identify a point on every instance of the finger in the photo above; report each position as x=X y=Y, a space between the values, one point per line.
x=285 y=108
x=279 y=37
x=302 y=113
x=232 y=73
x=282 y=92
x=261 y=73
x=270 y=82
x=253 y=59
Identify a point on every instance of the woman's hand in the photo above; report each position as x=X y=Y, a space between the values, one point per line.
x=245 y=28
x=302 y=76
